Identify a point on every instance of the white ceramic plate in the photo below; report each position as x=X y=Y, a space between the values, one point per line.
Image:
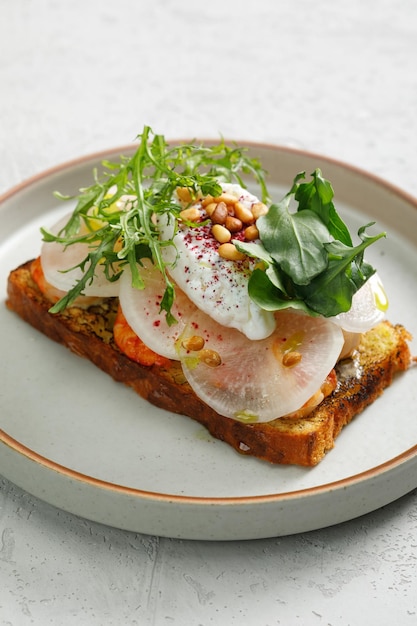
x=76 y=439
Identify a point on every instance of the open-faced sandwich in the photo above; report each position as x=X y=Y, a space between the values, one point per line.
x=260 y=320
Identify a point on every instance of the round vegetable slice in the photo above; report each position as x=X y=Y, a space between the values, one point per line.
x=258 y=381
x=142 y=310
x=58 y=260
x=368 y=307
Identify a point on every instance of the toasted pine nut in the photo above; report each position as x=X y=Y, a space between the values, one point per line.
x=230 y=252
x=194 y=343
x=184 y=194
x=219 y=214
x=207 y=200
x=228 y=198
x=290 y=359
x=220 y=233
x=258 y=209
x=210 y=357
x=118 y=245
x=210 y=208
x=251 y=233
x=233 y=224
x=244 y=214
x=192 y=214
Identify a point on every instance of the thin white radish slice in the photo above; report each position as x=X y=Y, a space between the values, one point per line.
x=258 y=381
x=57 y=261
x=368 y=307
x=141 y=308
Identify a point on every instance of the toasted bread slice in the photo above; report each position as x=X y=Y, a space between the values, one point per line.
x=382 y=352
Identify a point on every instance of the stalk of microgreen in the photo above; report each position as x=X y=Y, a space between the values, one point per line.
x=149 y=179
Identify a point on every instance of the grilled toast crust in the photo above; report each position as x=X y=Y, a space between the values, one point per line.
x=383 y=351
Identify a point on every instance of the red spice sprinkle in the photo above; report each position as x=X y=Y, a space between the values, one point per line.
x=157 y=323
x=240 y=236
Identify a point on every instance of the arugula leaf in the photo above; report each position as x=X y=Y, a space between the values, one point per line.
x=306 y=257
x=269 y=268
x=317 y=196
x=295 y=241
x=148 y=181
x=309 y=260
x=267 y=294
x=105 y=250
x=333 y=290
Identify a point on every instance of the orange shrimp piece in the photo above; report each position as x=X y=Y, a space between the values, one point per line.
x=47 y=290
x=129 y=343
x=328 y=386
x=53 y=294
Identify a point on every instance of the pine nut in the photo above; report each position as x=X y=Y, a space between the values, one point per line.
x=207 y=200
x=251 y=233
x=228 y=198
x=233 y=224
x=244 y=214
x=210 y=357
x=259 y=209
x=210 y=208
x=230 y=252
x=220 y=233
x=192 y=214
x=184 y=194
x=194 y=343
x=292 y=358
x=219 y=214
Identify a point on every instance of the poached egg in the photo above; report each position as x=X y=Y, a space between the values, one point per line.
x=240 y=367
x=217 y=287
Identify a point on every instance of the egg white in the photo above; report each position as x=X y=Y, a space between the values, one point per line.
x=216 y=286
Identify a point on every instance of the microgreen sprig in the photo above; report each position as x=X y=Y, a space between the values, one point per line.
x=145 y=182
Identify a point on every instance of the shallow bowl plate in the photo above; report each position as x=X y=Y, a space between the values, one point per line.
x=73 y=437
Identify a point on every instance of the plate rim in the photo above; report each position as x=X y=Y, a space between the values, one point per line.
x=376 y=471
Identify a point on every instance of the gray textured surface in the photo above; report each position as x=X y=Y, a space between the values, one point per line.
x=334 y=78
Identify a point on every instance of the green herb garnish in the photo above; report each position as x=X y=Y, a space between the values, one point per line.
x=117 y=237
x=309 y=260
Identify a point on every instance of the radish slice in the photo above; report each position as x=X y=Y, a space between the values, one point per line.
x=258 y=381
x=368 y=307
x=141 y=308
x=56 y=259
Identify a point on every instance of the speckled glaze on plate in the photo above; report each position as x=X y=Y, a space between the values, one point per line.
x=74 y=438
